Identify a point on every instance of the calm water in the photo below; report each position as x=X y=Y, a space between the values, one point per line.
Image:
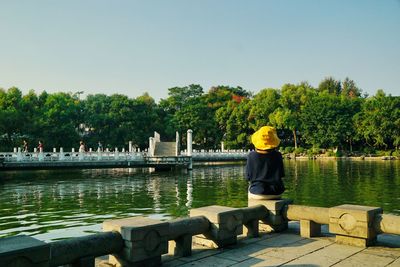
x=51 y=205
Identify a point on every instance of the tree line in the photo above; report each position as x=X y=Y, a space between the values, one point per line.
x=334 y=115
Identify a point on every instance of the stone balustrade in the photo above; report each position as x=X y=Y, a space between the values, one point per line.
x=140 y=241
x=73 y=156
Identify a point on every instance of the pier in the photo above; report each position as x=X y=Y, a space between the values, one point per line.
x=266 y=233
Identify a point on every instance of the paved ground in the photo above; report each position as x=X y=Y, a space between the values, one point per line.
x=289 y=249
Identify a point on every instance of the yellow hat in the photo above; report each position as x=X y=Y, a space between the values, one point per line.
x=265 y=138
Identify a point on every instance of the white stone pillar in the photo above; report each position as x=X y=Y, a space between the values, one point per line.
x=151 y=146
x=62 y=153
x=222 y=146
x=41 y=155
x=116 y=153
x=177 y=146
x=189 y=148
x=19 y=154
x=130 y=147
x=189 y=142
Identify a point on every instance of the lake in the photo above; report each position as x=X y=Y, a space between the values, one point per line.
x=57 y=204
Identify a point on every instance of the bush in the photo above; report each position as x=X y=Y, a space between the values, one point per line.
x=312 y=152
x=288 y=149
x=383 y=153
x=299 y=150
x=330 y=153
x=396 y=153
x=369 y=150
x=339 y=153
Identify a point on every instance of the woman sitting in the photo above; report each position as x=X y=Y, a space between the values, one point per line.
x=264 y=169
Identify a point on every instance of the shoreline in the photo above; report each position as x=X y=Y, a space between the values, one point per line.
x=389 y=158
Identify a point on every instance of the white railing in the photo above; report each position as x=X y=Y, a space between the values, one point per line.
x=200 y=155
x=238 y=154
x=71 y=156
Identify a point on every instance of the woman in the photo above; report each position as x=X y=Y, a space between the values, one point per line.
x=264 y=169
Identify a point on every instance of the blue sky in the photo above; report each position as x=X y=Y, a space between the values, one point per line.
x=132 y=47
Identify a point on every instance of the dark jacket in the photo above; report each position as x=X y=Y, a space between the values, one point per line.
x=265 y=172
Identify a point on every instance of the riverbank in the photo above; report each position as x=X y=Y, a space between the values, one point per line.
x=292 y=156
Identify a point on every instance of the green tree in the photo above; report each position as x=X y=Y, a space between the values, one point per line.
x=238 y=127
x=261 y=106
x=350 y=89
x=12 y=118
x=60 y=120
x=288 y=115
x=378 y=122
x=326 y=120
x=330 y=85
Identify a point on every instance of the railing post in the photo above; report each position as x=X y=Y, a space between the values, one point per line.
x=309 y=229
x=151 y=146
x=226 y=225
x=275 y=220
x=81 y=155
x=145 y=240
x=116 y=153
x=62 y=153
x=353 y=224
x=189 y=141
x=24 y=251
x=19 y=154
x=130 y=149
x=41 y=154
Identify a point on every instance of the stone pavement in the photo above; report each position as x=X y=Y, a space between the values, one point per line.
x=289 y=249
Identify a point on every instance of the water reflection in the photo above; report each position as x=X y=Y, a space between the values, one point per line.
x=59 y=204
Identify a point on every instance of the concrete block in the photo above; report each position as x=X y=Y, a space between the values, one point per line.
x=274 y=221
x=182 y=246
x=251 y=228
x=144 y=238
x=24 y=251
x=353 y=221
x=309 y=229
x=226 y=225
x=273 y=205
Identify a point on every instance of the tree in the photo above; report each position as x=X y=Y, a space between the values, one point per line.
x=60 y=120
x=378 y=122
x=238 y=128
x=326 y=121
x=11 y=117
x=350 y=89
x=262 y=105
x=293 y=99
x=330 y=85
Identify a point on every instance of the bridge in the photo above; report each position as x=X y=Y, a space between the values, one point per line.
x=159 y=155
x=266 y=233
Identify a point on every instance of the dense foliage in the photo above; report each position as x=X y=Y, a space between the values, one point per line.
x=335 y=115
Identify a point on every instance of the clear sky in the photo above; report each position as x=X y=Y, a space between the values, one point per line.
x=132 y=47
